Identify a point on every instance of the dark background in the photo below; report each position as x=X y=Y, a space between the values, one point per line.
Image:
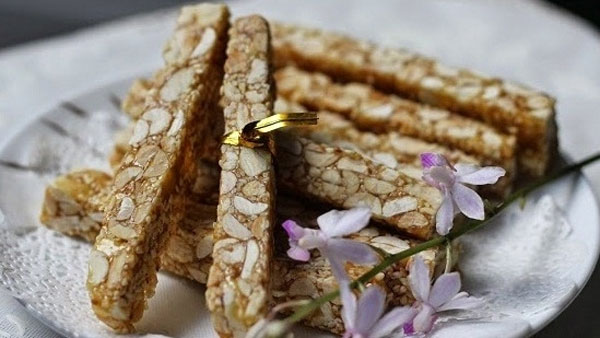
x=26 y=20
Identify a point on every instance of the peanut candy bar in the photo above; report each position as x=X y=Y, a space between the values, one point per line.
x=392 y=149
x=511 y=107
x=238 y=284
x=71 y=203
x=188 y=252
x=151 y=184
x=372 y=110
x=347 y=179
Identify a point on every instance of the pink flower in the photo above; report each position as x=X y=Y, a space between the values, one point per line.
x=451 y=180
x=363 y=318
x=333 y=225
x=444 y=295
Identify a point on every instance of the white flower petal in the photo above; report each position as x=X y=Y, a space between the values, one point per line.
x=370 y=307
x=439 y=177
x=328 y=221
x=485 y=175
x=462 y=301
x=418 y=279
x=312 y=239
x=298 y=253
x=468 y=202
x=444 y=288
x=465 y=168
x=429 y=180
x=340 y=223
x=352 y=251
x=445 y=216
x=423 y=321
x=348 y=305
x=392 y=321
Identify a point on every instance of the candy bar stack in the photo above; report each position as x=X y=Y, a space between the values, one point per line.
x=183 y=199
x=512 y=108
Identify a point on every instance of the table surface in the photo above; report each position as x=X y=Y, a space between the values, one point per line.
x=557 y=53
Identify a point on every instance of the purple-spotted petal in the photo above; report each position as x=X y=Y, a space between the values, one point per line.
x=423 y=321
x=445 y=216
x=468 y=202
x=444 y=288
x=293 y=230
x=478 y=176
x=299 y=254
x=462 y=301
x=418 y=279
x=408 y=328
x=392 y=321
x=348 y=305
x=369 y=308
x=429 y=160
x=340 y=223
x=353 y=251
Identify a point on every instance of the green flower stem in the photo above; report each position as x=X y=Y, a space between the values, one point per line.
x=305 y=310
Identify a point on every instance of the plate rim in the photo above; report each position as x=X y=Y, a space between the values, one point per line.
x=551 y=316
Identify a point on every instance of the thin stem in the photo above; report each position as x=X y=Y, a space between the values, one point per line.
x=305 y=310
